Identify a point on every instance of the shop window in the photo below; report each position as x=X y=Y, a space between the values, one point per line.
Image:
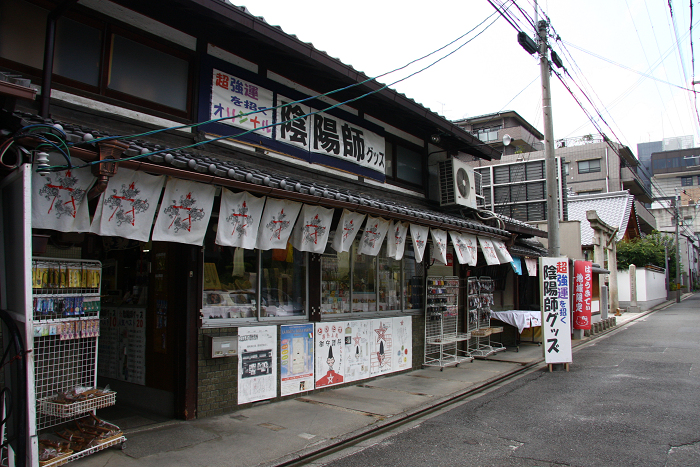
x=335 y=282
x=389 y=276
x=413 y=288
x=364 y=284
x=589 y=166
x=404 y=163
x=283 y=283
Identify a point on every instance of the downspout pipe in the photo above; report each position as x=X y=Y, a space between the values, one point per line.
x=49 y=47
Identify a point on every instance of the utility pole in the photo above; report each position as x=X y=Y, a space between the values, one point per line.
x=550 y=162
x=678 y=247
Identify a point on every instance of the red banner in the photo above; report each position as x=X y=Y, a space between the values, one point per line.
x=583 y=285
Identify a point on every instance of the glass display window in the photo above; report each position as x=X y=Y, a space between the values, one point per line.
x=335 y=282
x=412 y=280
x=283 y=283
x=364 y=281
x=389 y=282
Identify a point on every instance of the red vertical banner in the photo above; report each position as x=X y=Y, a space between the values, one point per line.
x=583 y=285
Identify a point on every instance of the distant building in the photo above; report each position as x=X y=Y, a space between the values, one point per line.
x=491 y=128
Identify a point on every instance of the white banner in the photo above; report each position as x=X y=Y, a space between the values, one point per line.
x=184 y=212
x=489 y=251
x=381 y=346
x=59 y=200
x=356 y=351
x=347 y=229
x=440 y=244
x=312 y=229
x=396 y=240
x=461 y=248
x=277 y=223
x=471 y=242
x=329 y=343
x=239 y=219
x=403 y=343
x=234 y=97
x=419 y=237
x=502 y=252
x=531 y=265
x=257 y=363
x=556 y=313
x=373 y=236
x=128 y=205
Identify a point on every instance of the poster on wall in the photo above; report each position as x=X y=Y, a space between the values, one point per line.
x=356 y=340
x=240 y=103
x=556 y=323
x=381 y=346
x=583 y=286
x=257 y=368
x=328 y=353
x=296 y=358
x=122 y=345
x=403 y=343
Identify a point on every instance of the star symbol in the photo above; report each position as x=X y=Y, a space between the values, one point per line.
x=330 y=378
x=380 y=332
x=357 y=339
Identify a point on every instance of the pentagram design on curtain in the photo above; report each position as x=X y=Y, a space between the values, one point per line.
x=277 y=223
x=461 y=248
x=419 y=237
x=373 y=236
x=396 y=240
x=489 y=251
x=471 y=242
x=312 y=229
x=239 y=219
x=440 y=243
x=59 y=200
x=184 y=212
x=346 y=230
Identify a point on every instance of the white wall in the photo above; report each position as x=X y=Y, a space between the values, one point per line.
x=651 y=288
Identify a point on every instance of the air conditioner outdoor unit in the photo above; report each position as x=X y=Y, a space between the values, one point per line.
x=457 y=184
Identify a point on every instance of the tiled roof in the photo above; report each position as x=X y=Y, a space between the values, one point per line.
x=613 y=208
x=81 y=136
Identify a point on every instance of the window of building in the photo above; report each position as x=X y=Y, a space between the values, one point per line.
x=22 y=33
x=566 y=168
x=405 y=163
x=488 y=134
x=589 y=166
x=659 y=164
x=686 y=181
x=77 y=51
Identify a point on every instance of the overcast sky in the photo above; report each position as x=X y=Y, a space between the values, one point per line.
x=486 y=74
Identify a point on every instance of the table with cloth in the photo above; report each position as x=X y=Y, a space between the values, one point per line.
x=521 y=320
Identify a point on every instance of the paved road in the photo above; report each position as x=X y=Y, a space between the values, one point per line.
x=631 y=398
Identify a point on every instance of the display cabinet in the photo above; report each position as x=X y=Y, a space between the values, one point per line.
x=479 y=303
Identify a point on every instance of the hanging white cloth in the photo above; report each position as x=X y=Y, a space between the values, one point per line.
x=184 y=212
x=471 y=242
x=419 y=237
x=489 y=251
x=502 y=252
x=277 y=223
x=346 y=230
x=396 y=240
x=59 y=200
x=461 y=248
x=312 y=229
x=239 y=219
x=531 y=265
x=373 y=236
x=440 y=244
x=128 y=205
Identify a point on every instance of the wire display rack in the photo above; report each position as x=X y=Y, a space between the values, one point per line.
x=442 y=337
x=479 y=303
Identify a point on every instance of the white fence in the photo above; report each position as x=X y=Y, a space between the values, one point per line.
x=651 y=287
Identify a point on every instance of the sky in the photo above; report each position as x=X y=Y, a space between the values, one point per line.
x=493 y=73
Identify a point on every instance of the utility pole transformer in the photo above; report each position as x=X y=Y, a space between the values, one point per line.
x=550 y=162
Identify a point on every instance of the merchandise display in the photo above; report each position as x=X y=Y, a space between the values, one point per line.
x=479 y=303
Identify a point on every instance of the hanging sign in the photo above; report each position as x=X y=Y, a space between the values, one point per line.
x=59 y=200
x=312 y=229
x=489 y=251
x=128 y=205
x=501 y=251
x=347 y=229
x=236 y=98
x=184 y=212
x=556 y=324
x=257 y=363
x=239 y=219
x=373 y=236
x=396 y=240
x=440 y=244
x=296 y=358
x=471 y=242
x=277 y=223
x=531 y=265
x=419 y=237
x=460 y=247
x=583 y=286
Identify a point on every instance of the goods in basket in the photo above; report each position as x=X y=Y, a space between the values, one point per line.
x=79 y=394
x=88 y=432
x=50 y=450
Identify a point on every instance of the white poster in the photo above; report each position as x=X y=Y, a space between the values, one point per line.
x=502 y=252
x=257 y=363
x=556 y=313
x=471 y=242
x=347 y=229
x=312 y=229
x=328 y=352
x=239 y=219
x=128 y=205
x=373 y=236
x=59 y=200
x=296 y=358
x=489 y=251
x=357 y=350
x=241 y=103
x=184 y=212
x=461 y=248
x=440 y=243
x=381 y=346
x=396 y=240
x=419 y=237
x=403 y=343
x=277 y=223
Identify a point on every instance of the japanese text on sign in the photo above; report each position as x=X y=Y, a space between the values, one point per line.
x=582 y=294
x=556 y=330
x=234 y=99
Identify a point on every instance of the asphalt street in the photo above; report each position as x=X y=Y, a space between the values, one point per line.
x=631 y=398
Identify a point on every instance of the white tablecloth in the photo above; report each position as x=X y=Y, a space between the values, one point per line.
x=521 y=319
